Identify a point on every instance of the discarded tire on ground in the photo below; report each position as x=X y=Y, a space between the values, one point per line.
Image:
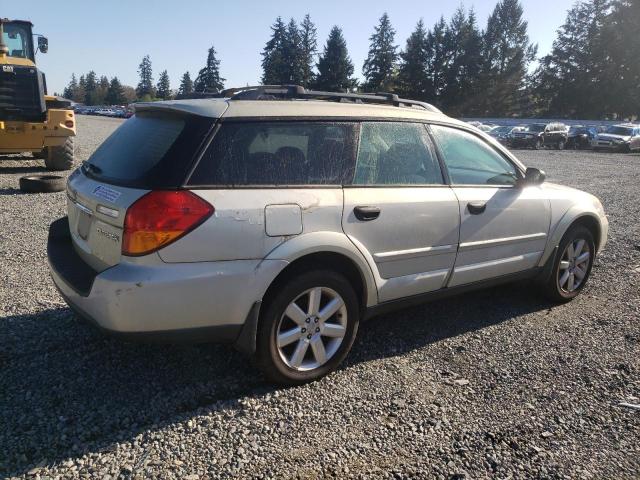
x=42 y=183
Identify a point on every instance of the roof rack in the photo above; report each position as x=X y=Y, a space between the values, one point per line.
x=292 y=92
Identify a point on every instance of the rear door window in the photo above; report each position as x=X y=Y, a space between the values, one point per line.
x=277 y=153
x=396 y=153
x=150 y=150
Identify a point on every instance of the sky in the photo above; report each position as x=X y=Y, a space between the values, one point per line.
x=111 y=37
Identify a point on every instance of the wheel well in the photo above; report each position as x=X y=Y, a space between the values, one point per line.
x=321 y=261
x=592 y=225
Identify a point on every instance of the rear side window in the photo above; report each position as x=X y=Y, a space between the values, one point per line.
x=396 y=153
x=277 y=153
x=471 y=161
x=150 y=150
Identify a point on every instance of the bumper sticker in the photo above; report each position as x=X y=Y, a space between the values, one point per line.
x=106 y=193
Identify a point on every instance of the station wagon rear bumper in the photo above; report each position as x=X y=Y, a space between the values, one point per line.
x=207 y=301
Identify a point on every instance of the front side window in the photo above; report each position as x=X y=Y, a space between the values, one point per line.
x=276 y=153
x=470 y=161
x=396 y=153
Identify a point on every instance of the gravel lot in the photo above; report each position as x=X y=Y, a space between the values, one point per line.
x=495 y=384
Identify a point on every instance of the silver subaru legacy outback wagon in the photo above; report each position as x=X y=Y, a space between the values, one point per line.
x=276 y=218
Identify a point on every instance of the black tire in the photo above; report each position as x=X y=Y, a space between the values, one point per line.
x=268 y=357
x=552 y=288
x=62 y=157
x=42 y=183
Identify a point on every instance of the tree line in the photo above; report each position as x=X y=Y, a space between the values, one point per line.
x=591 y=72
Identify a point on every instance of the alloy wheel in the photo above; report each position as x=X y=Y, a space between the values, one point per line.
x=574 y=265
x=311 y=329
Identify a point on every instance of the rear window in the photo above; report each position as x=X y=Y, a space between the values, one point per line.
x=277 y=153
x=150 y=150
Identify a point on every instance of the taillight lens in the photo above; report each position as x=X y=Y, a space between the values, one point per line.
x=161 y=217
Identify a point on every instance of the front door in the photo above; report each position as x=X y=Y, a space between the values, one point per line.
x=503 y=226
x=399 y=212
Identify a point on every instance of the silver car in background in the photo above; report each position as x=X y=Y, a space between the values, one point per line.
x=277 y=218
x=621 y=138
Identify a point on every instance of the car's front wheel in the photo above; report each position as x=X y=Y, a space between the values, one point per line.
x=307 y=327
x=572 y=266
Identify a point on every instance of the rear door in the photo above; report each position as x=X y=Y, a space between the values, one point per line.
x=503 y=226
x=399 y=212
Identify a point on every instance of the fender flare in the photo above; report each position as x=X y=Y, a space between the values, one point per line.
x=331 y=242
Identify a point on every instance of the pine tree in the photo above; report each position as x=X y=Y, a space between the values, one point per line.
x=80 y=95
x=292 y=55
x=163 y=89
x=71 y=89
x=145 y=85
x=507 y=54
x=274 y=68
x=186 y=85
x=115 y=93
x=209 y=79
x=381 y=64
x=436 y=61
x=413 y=80
x=90 y=88
x=462 y=44
x=335 y=70
x=308 y=49
x=101 y=90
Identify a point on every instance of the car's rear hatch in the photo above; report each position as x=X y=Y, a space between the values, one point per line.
x=153 y=150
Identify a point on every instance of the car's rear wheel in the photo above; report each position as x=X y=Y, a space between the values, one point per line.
x=572 y=266
x=307 y=328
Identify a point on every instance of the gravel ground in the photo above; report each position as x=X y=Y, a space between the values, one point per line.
x=495 y=384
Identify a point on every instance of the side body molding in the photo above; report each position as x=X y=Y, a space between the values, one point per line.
x=322 y=242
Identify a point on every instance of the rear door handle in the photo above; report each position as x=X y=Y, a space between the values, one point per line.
x=366 y=213
x=476 y=208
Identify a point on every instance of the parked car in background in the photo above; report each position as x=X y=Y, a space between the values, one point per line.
x=580 y=137
x=621 y=138
x=503 y=133
x=484 y=127
x=295 y=220
x=538 y=135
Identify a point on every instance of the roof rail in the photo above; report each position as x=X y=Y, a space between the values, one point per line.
x=290 y=92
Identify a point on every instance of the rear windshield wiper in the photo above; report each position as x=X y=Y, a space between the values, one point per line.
x=91 y=168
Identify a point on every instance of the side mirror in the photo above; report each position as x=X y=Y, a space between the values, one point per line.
x=534 y=176
x=43 y=44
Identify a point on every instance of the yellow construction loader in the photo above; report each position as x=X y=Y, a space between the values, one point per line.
x=31 y=120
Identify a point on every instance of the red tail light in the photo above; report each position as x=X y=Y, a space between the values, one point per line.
x=161 y=217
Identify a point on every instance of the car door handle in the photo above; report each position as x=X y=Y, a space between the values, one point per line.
x=366 y=213
x=476 y=208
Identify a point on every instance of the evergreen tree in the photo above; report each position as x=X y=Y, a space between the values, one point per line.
x=308 y=49
x=335 y=70
x=568 y=80
x=101 y=90
x=462 y=44
x=381 y=64
x=186 y=85
x=163 y=89
x=90 y=88
x=115 y=93
x=292 y=55
x=71 y=89
x=436 y=61
x=209 y=79
x=274 y=68
x=413 y=79
x=507 y=54
x=82 y=90
x=145 y=85
x=619 y=43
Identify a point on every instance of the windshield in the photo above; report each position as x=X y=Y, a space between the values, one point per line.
x=150 y=150
x=578 y=130
x=17 y=38
x=506 y=129
x=627 y=132
x=535 y=128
